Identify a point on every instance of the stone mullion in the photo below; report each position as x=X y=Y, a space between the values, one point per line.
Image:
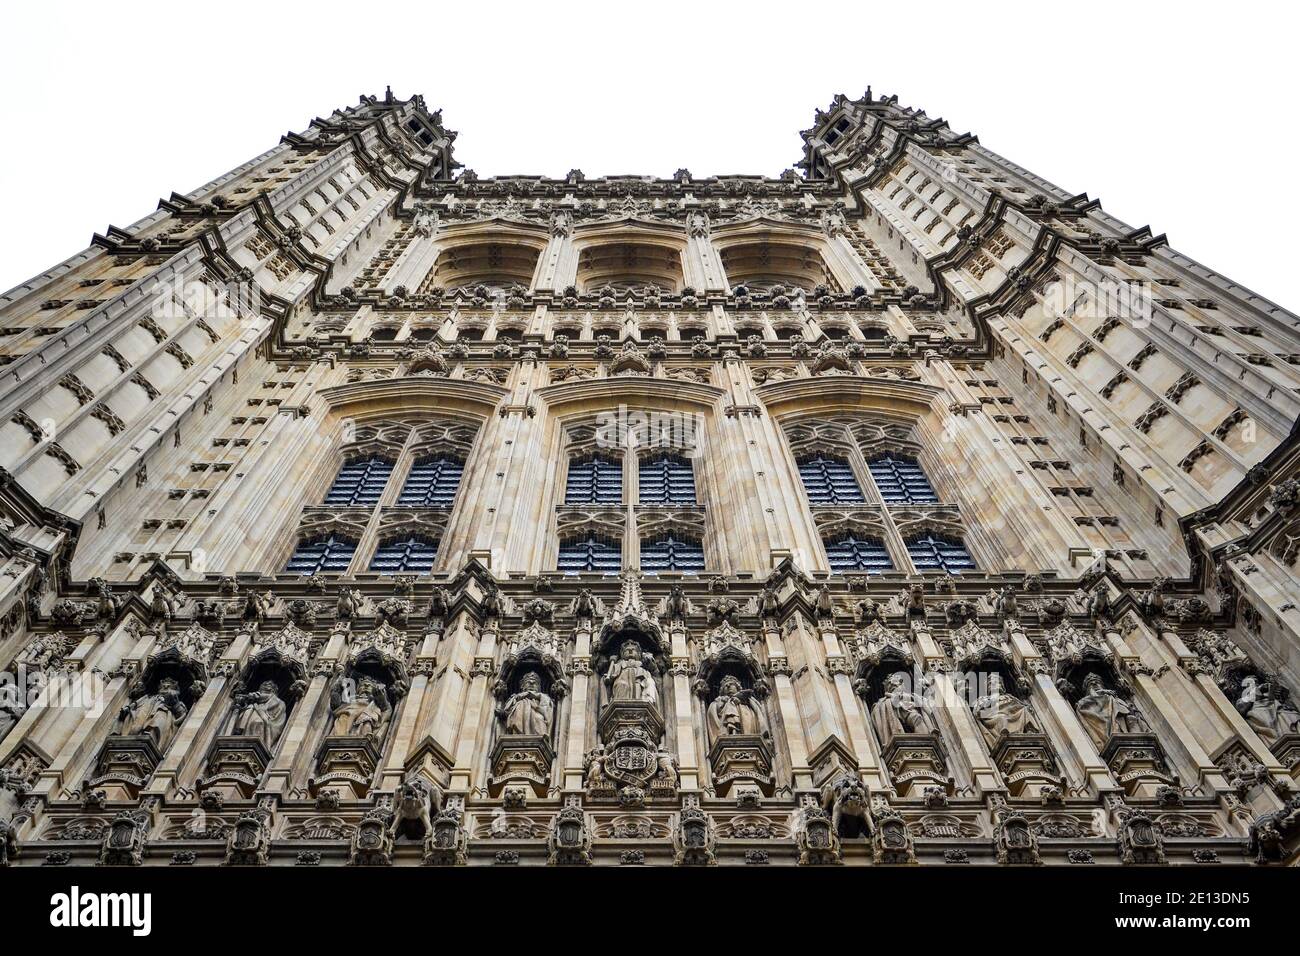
x=298 y=742
x=369 y=538
x=200 y=723
x=631 y=543
x=894 y=542
x=575 y=745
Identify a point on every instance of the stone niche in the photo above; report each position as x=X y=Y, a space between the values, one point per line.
x=905 y=724
x=999 y=700
x=160 y=699
x=263 y=699
x=733 y=693
x=363 y=700
x=528 y=690
x=1103 y=702
x=631 y=763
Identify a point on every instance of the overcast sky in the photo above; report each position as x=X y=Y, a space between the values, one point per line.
x=1180 y=116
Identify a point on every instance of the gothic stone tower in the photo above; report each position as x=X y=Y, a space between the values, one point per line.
x=903 y=509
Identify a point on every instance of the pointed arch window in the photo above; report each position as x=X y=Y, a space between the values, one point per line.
x=670 y=552
x=360 y=482
x=590 y=553
x=939 y=553
x=666 y=480
x=851 y=552
x=829 y=480
x=432 y=482
x=414 y=554
x=901 y=480
x=326 y=555
x=594 y=480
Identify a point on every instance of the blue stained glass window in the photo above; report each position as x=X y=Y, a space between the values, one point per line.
x=851 y=553
x=590 y=553
x=671 y=553
x=901 y=480
x=594 y=480
x=666 y=479
x=360 y=482
x=411 y=555
x=829 y=481
x=433 y=482
x=328 y=555
x=939 y=553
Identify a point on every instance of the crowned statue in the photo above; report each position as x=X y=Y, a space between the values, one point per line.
x=734 y=711
x=900 y=711
x=629 y=676
x=155 y=715
x=1103 y=713
x=261 y=714
x=360 y=711
x=529 y=710
x=1000 y=713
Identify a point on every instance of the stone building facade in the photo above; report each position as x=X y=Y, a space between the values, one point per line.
x=903 y=508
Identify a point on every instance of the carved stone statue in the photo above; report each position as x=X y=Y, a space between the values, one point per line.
x=348 y=605
x=261 y=713
x=156 y=715
x=999 y=713
x=734 y=711
x=629 y=676
x=11 y=710
x=362 y=713
x=1268 y=716
x=529 y=710
x=900 y=711
x=1103 y=713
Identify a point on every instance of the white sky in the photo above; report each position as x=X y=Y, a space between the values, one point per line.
x=1160 y=110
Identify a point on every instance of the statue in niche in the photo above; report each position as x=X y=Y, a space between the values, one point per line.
x=1000 y=712
x=630 y=677
x=1103 y=713
x=1268 y=716
x=261 y=713
x=155 y=715
x=900 y=711
x=734 y=711
x=360 y=710
x=529 y=710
